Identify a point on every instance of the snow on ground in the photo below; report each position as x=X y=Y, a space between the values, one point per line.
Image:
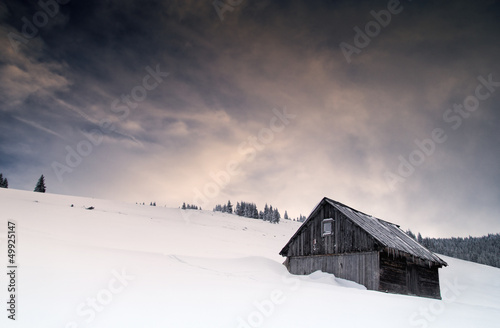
x=128 y=265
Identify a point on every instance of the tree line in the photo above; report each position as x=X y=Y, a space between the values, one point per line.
x=482 y=250
x=246 y=209
x=190 y=207
x=40 y=185
x=249 y=210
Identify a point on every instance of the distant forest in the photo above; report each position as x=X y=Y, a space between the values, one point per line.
x=249 y=210
x=482 y=250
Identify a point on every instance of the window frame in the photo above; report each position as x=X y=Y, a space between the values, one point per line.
x=328 y=220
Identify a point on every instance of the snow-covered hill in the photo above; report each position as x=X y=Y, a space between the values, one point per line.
x=127 y=265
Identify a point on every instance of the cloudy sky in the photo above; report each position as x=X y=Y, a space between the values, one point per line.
x=389 y=107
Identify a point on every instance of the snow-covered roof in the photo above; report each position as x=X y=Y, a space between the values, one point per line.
x=386 y=233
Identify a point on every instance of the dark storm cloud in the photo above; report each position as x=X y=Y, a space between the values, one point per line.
x=353 y=120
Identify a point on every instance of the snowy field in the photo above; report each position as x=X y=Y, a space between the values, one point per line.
x=128 y=265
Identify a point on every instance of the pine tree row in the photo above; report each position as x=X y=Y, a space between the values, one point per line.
x=483 y=250
x=301 y=218
x=40 y=186
x=249 y=210
x=143 y=203
x=226 y=208
x=190 y=207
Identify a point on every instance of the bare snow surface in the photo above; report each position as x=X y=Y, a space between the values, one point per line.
x=128 y=265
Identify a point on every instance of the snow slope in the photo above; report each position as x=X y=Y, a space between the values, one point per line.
x=128 y=265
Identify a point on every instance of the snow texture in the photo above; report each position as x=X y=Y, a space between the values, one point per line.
x=128 y=265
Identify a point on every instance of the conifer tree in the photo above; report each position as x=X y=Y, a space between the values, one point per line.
x=40 y=185
x=3 y=182
x=266 y=213
x=275 y=216
x=238 y=209
x=255 y=212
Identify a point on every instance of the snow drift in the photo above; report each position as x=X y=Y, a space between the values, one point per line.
x=128 y=265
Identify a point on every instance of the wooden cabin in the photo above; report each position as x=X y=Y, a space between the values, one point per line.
x=352 y=245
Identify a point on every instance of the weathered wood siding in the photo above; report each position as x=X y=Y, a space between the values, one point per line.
x=392 y=274
x=399 y=275
x=428 y=282
x=347 y=236
x=353 y=253
x=362 y=268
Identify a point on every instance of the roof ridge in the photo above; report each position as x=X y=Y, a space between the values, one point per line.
x=383 y=240
x=358 y=211
x=398 y=240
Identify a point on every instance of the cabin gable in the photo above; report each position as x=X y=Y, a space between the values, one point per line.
x=346 y=236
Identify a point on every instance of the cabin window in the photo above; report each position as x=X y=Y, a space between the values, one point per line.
x=327 y=227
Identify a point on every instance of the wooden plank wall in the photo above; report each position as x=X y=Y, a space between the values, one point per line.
x=428 y=282
x=351 y=253
x=347 y=237
x=392 y=274
x=362 y=268
x=399 y=275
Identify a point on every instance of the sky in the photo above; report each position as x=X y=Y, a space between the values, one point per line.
x=390 y=107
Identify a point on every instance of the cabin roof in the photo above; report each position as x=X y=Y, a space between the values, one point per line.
x=386 y=233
